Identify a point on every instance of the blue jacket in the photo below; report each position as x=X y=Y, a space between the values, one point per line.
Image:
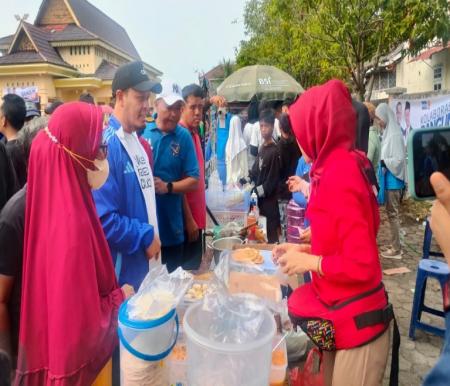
x=123 y=214
x=440 y=374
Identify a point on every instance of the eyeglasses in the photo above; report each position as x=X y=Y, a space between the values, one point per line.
x=104 y=149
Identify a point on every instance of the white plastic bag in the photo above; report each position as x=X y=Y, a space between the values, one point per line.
x=159 y=293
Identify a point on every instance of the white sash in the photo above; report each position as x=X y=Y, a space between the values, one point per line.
x=142 y=166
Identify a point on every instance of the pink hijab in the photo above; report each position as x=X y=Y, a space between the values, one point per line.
x=70 y=295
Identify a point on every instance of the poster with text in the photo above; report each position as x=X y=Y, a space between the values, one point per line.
x=28 y=93
x=421 y=113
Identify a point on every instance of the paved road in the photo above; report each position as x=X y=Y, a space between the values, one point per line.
x=419 y=356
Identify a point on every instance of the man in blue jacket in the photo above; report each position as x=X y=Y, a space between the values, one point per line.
x=176 y=171
x=126 y=202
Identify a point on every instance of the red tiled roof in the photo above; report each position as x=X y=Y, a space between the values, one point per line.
x=430 y=52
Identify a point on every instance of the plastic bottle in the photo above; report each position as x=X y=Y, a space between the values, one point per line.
x=254 y=205
x=252 y=217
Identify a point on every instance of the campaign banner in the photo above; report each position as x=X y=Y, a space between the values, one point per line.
x=28 y=93
x=421 y=113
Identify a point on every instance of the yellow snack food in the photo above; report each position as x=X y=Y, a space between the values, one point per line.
x=179 y=353
x=247 y=255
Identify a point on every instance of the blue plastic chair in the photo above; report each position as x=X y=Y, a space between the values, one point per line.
x=428 y=235
x=427 y=268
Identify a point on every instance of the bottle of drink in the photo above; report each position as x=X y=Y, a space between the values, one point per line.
x=252 y=217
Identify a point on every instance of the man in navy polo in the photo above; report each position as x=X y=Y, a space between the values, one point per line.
x=176 y=172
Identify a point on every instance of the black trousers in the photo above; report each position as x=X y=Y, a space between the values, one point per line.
x=193 y=253
x=268 y=207
x=172 y=256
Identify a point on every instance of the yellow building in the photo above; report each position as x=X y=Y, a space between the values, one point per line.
x=71 y=48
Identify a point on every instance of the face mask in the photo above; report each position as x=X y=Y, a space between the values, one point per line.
x=97 y=178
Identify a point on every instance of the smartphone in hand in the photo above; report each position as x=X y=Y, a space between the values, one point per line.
x=428 y=152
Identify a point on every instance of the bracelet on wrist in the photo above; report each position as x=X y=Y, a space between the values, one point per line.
x=319 y=266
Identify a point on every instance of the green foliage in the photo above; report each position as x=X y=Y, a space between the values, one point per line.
x=315 y=40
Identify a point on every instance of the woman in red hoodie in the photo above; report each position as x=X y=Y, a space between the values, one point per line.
x=344 y=310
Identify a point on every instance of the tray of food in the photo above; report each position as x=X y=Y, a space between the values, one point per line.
x=256 y=258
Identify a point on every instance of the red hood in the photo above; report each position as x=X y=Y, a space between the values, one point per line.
x=323 y=120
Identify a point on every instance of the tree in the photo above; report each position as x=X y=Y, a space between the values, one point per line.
x=228 y=67
x=320 y=39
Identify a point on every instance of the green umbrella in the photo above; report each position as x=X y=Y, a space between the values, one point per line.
x=266 y=82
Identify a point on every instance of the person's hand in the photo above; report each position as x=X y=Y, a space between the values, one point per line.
x=128 y=291
x=192 y=231
x=294 y=184
x=298 y=184
x=305 y=236
x=160 y=186
x=153 y=250
x=294 y=262
x=440 y=213
x=282 y=249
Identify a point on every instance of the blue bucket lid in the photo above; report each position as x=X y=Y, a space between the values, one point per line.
x=142 y=324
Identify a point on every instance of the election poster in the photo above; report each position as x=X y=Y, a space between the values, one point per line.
x=421 y=113
x=28 y=93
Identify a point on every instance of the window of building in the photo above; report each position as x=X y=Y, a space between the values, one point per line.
x=89 y=50
x=438 y=77
x=70 y=50
x=384 y=80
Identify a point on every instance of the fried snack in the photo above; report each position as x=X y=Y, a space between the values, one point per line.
x=179 y=353
x=247 y=255
x=259 y=235
x=204 y=276
x=197 y=292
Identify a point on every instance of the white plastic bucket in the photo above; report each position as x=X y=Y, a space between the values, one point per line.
x=226 y=364
x=148 y=340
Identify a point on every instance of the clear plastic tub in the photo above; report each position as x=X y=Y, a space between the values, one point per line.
x=176 y=363
x=279 y=363
x=221 y=364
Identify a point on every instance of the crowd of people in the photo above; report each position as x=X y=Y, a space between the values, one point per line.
x=91 y=198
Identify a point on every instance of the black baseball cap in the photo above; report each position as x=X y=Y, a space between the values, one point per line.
x=133 y=75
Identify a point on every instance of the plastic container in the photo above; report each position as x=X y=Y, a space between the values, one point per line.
x=176 y=364
x=279 y=363
x=296 y=210
x=149 y=340
x=221 y=364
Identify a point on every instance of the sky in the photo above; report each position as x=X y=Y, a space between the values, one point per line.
x=178 y=37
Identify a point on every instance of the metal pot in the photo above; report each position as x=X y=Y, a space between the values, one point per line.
x=224 y=244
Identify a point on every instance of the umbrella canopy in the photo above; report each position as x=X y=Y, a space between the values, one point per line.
x=266 y=82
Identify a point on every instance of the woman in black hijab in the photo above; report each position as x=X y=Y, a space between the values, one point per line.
x=362 y=126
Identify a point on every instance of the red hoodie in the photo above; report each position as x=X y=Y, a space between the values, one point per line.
x=342 y=208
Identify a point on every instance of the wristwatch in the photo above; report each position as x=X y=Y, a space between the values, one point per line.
x=169 y=187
